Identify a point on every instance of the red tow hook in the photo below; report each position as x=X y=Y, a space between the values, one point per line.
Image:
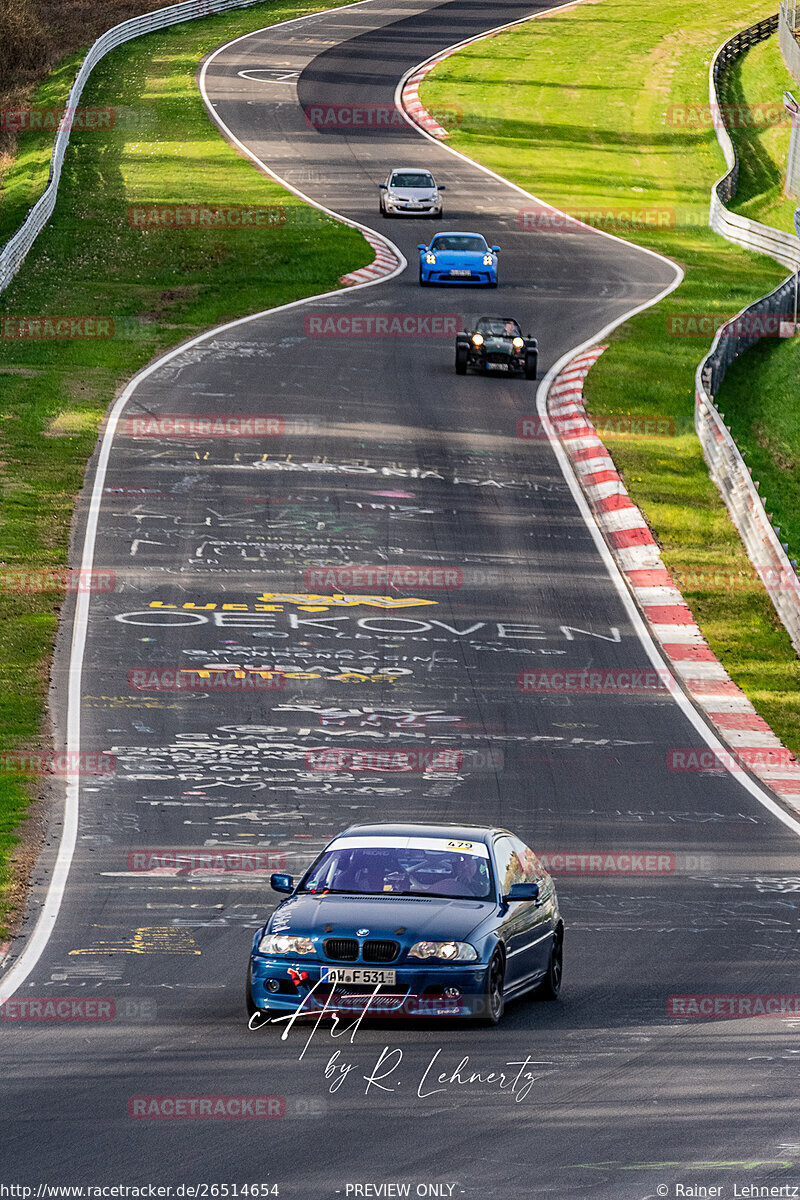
x=297 y=977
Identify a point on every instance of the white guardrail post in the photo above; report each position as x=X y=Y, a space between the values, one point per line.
x=13 y=253
x=725 y=463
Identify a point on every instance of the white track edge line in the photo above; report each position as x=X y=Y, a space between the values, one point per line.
x=46 y=920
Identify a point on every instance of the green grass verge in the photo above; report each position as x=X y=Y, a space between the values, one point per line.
x=756 y=82
x=760 y=398
x=760 y=395
x=589 y=109
x=158 y=286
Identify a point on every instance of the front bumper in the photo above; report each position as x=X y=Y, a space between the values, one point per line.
x=432 y=275
x=494 y=364
x=401 y=208
x=419 y=991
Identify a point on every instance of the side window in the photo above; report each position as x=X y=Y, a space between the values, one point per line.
x=532 y=869
x=509 y=864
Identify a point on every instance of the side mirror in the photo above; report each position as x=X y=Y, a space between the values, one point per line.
x=442 y=187
x=281 y=883
x=383 y=186
x=495 y=249
x=523 y=891
x=421 y=247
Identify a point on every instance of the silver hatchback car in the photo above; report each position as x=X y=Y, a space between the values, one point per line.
x=411 y=192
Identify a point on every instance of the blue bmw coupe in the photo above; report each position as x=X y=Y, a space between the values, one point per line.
x=410 y=920
x=458 y=258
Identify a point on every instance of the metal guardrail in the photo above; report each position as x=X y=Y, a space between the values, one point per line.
x=788 y=33
x=751 y=234
x=725 y=463
x=13 y=253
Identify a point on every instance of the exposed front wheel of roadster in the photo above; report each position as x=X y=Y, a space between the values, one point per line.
x=550 y=986
x=493 y=999
x=461 y=360
x=531 y=365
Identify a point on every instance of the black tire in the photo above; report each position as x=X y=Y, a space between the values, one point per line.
x=461 y=360
x=493 y=999
x=550 y=986
x=423 y=282
x=384 y=212
x=438 y=216
x=492 y=285
x=531 y=364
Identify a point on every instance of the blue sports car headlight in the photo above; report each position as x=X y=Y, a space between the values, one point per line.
x=447 y=951
x=281 y=943
x=487 y=260
x=430 y=257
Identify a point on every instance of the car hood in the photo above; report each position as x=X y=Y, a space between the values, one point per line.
x=502 y=344
x=404 y=193
x=430 y=918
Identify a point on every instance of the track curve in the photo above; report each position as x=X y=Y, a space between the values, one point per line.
x=386 y=457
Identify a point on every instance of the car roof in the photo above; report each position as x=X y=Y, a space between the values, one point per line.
x=459 y=233
x=422 y=170
x=460 y=833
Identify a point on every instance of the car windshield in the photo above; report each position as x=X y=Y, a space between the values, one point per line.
x=498 y=327
x=375 y=870
x=412 y=179
x=459 y=241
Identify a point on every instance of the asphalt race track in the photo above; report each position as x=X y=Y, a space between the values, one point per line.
x=382 y=456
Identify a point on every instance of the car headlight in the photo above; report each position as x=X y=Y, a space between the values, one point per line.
x=517 y=343
x=477 y=339
x=430 y=258
x=448 y=951
x=487 y=260
x=281 y=943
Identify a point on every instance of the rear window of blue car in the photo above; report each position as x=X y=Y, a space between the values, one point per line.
x=459 y=241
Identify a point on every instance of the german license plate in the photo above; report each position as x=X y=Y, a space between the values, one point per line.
x=497 y=366
x=357 y=975
x=461 y=272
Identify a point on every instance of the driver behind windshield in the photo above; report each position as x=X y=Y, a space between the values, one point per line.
x=504 y=328
x=369 y=870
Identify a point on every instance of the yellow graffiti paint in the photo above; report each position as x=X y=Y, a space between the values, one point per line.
x=153 y=939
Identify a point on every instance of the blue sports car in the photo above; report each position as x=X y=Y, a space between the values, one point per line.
x=410 y=920
x=458 y=258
